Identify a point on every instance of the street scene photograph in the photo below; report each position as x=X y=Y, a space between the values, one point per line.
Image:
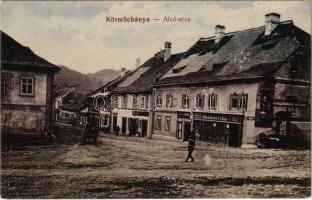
x=155 y=99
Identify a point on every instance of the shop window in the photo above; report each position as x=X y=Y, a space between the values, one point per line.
x=212 y=101
x=200 y=101
x=185 y=101
x=104 y=121
x=238 y=101
x=158 y=122
x=158 y=101
x=169 y=100
x=27 y=86
x=168 y=123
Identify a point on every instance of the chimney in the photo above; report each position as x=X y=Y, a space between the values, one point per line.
x=122 y=72
x=167 y=51
x=138 y=62
x=219 y=33
x=271 y=22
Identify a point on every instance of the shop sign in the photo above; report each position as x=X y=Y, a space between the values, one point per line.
x=185 y=115
x=140 y=113
x=279 y=102
x=219 y=117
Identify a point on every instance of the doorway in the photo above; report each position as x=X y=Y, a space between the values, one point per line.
x=114 y=122
x=220 y=133
x=144 y=127
x=235 y=135
x=124 y=125
x=179 y=130
x=186 y=131
x=133 y=126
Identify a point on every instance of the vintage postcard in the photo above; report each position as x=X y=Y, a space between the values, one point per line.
x=155 y=99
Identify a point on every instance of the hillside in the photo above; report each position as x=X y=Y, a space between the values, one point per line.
x=105 y=75
x=84 y=82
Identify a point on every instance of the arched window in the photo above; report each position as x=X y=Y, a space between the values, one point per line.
x=158 y=101
x=200 y=101
x=185 y=101
x=169 y=100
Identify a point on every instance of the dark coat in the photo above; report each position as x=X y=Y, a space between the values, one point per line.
x=191 y=145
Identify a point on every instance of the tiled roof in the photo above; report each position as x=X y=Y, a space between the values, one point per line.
x=79 y=101
x=142 y=79
x=111 y=84
x=239 y=55
x=14 y=53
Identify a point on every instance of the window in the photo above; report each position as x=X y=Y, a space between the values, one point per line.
x=212 y=101
x=158 y=122
x=238 y=101
x=185 y=101
x=169 y=100
x=115 y=102
x=142 y=102
x=124 y=105
x=66 y=115
x=27 y=86
x=4 y=87
x=158 y=101
x=200 y=101
x=168 y=123
x=134 y=102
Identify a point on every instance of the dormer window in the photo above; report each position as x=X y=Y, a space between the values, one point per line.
x=177 y=70
x=217 y=66
x=296 y=61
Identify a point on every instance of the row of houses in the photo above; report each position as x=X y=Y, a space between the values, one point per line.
x=229 y=87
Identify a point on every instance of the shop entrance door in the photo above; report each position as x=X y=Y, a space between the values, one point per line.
x=179 y=130
x=124 y=125
x=207 y=132
x=133 y=126
x=186 y=131
x=114 y=122
x=144 y=127
x=235 y=135
x=220 y=133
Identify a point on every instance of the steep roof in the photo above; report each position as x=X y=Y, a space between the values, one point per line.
x=142 y=79
x=111 y=84
x=17 y=55
x=79 y=101
x=244 y=54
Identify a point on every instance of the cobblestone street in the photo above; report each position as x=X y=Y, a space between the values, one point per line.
x=119 y=167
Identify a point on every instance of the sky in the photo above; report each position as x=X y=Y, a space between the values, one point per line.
x=77 y=35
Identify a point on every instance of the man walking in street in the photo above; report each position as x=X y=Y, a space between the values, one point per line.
x=191 y=146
